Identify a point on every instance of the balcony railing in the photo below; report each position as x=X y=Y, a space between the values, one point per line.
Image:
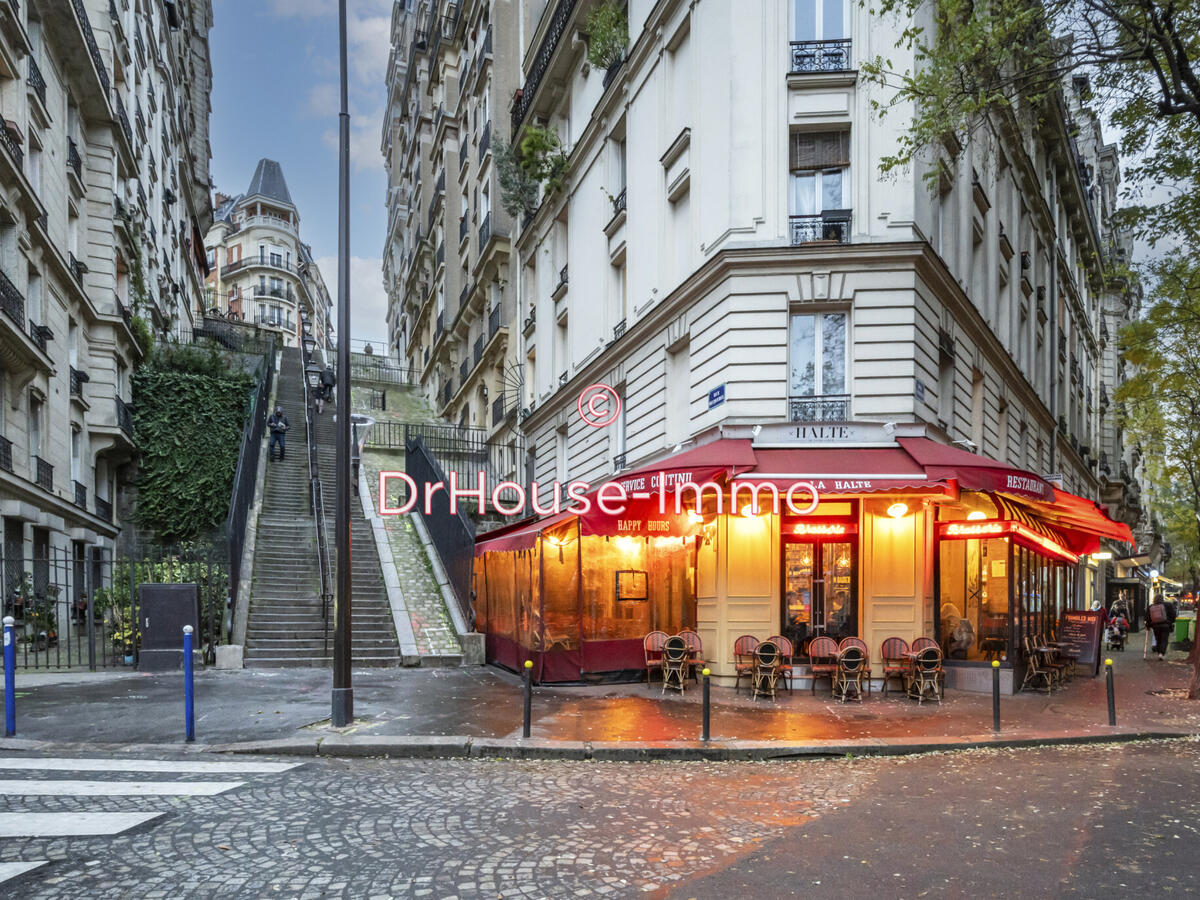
x=6 y=454
x=463 y=228
x=477 y=351
x=493 y=322
x=485 y=232
x=124 y=119
x=73 y=158
x=820 y=56
x=485 y=140
x=43 y=473
x=41 y=334
x=9 y=140
x=81 y=495
x=464 y=369
x=11 y=301
x=90 y=39
x=619 y=330
x=462 y=297
x=554 y=33
x=447 y=392
x=441 y=182
x=498 y=410
x=104 y=509
x=822 y=408
x=36 y=81
x=77 y=381
x=441 y=327
x=124 y=417
x=818 y=229
x=440 y=256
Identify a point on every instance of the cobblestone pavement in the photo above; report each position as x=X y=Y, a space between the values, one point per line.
x=1050 y=822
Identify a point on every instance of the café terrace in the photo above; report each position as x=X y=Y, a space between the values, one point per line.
x=908 y=538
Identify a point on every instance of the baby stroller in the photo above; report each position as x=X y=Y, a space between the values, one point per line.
x=1115 y=633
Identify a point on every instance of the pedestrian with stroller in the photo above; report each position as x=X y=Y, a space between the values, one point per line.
x=1161 y=617
x=277 y=424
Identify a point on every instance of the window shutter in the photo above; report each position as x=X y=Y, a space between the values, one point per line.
x=819 y=150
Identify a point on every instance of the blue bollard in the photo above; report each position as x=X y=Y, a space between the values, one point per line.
x=10 y=670
x=189 y=697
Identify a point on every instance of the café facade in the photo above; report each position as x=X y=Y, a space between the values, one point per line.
x=890 y=535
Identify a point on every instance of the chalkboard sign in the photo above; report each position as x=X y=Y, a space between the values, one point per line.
x=1080 y=630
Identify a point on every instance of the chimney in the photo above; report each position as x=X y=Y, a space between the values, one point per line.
x=220 y=199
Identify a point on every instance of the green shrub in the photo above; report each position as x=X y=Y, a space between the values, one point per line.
x=607 y=28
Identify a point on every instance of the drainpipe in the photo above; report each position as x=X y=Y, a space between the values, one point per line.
x=1054 y=347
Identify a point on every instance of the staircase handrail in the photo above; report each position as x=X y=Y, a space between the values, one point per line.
x=316 y=508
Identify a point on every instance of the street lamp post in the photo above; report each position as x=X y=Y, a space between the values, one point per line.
x=343 y=692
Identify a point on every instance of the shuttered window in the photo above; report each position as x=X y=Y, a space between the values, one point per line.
x=811 y=150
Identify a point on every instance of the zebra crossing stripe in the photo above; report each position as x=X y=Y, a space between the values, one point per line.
x=15 y=787
x=11 y=870
x=216 y=767
x=71 y=824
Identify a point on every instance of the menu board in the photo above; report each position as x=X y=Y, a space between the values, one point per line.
x=1081 y=631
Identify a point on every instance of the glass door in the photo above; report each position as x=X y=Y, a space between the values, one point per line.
x=839 y=610
x=798 y=585
x=819 y=590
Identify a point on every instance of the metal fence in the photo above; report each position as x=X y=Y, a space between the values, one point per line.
x=379 y=370
x=77 y=608
x=452 y=534
x=245 y=476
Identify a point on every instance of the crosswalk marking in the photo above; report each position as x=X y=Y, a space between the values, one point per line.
x=216 y=767
x=71 y=824
x=13 y=787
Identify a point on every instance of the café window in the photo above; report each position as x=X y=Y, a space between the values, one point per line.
x=817 y=187
x=820 y=574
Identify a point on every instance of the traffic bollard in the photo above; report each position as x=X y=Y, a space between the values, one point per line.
x=189 y=697
x=1112 y=700
x=525 y=723
x=707 y=711
x=995 y=695
x=10 y=671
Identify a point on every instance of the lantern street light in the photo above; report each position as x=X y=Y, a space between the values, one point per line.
x=312 y=373
x=310 y=344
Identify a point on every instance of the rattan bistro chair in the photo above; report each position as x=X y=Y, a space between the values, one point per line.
x=1037 y=676
x=896 y=663
x=695 y=652
x=652 y=650
x=674 y=664
x=846 y=643
x=822 y=654
x=767 y=660
x=786 y=651
x=926 y=675
x=924 y=643
x=743 y=660
x=851 y=666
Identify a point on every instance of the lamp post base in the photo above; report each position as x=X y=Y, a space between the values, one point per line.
x=343 y=707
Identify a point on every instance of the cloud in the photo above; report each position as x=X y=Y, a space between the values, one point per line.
x=368 y=33
x=368 y=299
x=324 y=100
x=304 y=9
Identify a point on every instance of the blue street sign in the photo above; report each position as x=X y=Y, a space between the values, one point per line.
x=716 y=396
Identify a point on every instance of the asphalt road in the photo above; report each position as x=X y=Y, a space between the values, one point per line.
x=1098 y=820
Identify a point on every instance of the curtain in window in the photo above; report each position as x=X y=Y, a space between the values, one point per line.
x=815 y=150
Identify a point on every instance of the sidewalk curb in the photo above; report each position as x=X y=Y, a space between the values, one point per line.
x=458 y=747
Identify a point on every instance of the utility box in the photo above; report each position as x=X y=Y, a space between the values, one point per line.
x=163 y=610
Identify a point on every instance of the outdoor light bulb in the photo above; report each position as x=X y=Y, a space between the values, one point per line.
x=976 y=514
x=897 y=510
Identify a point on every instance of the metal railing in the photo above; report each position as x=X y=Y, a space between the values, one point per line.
x=90 y=39
x=485 y=140
x=36 y=81
x=316 y=508
x=124 y=417
x=43 y=473
x=485 y=232
x=78 y=377
x=477 y=351
x=73 y=158
x=11 y=300
x=245 y=474
x=6 y=462
x=80 y=495
x=123 y=118
x=820 y=408
x=40 y=334
x=9 y=140
x=498 y=410
x=820 y=56
x=554 y=33
x=814 y=229
x=493 y=322
x=104 y=509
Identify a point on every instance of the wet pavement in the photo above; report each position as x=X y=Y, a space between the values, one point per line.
x=265 y=704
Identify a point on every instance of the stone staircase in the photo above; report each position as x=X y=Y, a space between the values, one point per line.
x=285 y=625
x=372 y=629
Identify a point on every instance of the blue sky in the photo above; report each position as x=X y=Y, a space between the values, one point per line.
x=275 y=75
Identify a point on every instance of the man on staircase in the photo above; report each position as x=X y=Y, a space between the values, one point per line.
x=278 y=426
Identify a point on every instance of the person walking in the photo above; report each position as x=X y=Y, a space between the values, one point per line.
x=278 y=425
x=1161 y=618
x=328 y=380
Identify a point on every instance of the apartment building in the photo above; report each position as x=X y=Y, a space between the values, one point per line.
x=452 y=302
x=724 y=253
x=260 y=271
x=104 y=185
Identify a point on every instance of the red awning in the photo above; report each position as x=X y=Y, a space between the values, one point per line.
x=854 y=470
x=520 y=536
x=974 y=472
x=1069 y=511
